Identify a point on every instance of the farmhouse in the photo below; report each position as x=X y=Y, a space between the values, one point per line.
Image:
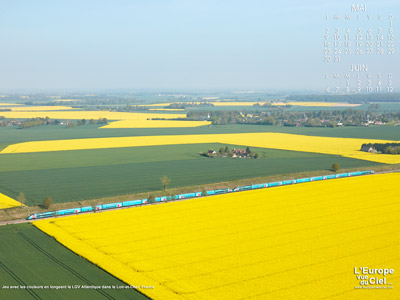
x=368 y=148
x=239 y=153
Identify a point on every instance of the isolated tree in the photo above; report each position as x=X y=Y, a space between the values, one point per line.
x=335 y=167
x=165 y=181
x=47 y=202
x=226 y=149
x=21 y=198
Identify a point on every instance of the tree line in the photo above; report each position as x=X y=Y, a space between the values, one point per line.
x=33 y=122
x=384 y=148
x=226 y=152
x=182 y=105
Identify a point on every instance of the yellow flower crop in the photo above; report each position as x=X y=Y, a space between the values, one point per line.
x=7 y=202
x=8 y=104
x=346 y=147
x=78 y=115
x=129 y=120
x=158 y=104
x=40 y=108
x=154 y=124
x=66 y=100
x=167 y=109
x=292 y=242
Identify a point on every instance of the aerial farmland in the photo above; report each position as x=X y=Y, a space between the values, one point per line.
x=91 y=166
x=199 y=150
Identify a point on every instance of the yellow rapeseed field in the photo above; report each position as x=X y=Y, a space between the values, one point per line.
x=293 y=242
x=39 y=108
x=8 y=104
x=78 y=115
x=66 y=100
x=128 y=120
x=346 y=147
x=7 y=202
x=167 y=109
x=154 y=124
x=158 y=104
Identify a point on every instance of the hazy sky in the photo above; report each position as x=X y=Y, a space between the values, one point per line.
x=162 y=44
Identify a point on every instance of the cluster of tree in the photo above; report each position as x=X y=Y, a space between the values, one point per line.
x=320 y=118
x=104 y=100
x=385 y=148
x=84 y=121
x=217 y=117
x=183 y=105
x=41 y=103
x=34 y=122
x=47 y=121
x=392 y=150
x=271 y=105
x=47 y=202
x=374 y=106
x=122 y=108
x=226 y=152
x=4 y=122
x=129 y=108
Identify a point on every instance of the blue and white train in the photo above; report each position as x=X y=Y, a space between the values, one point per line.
x=129 y=203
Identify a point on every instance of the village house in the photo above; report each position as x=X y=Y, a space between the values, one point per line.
x=368 y=148
x=211 y=152
x=238 y=153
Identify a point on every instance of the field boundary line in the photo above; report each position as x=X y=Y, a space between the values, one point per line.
x=61 y=264
x=19 y=280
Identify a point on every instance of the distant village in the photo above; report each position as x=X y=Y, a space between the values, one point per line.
x=283 y=117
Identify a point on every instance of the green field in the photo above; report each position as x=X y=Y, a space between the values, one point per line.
x=68 y=176
x=12 y=135
x=28 y=257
